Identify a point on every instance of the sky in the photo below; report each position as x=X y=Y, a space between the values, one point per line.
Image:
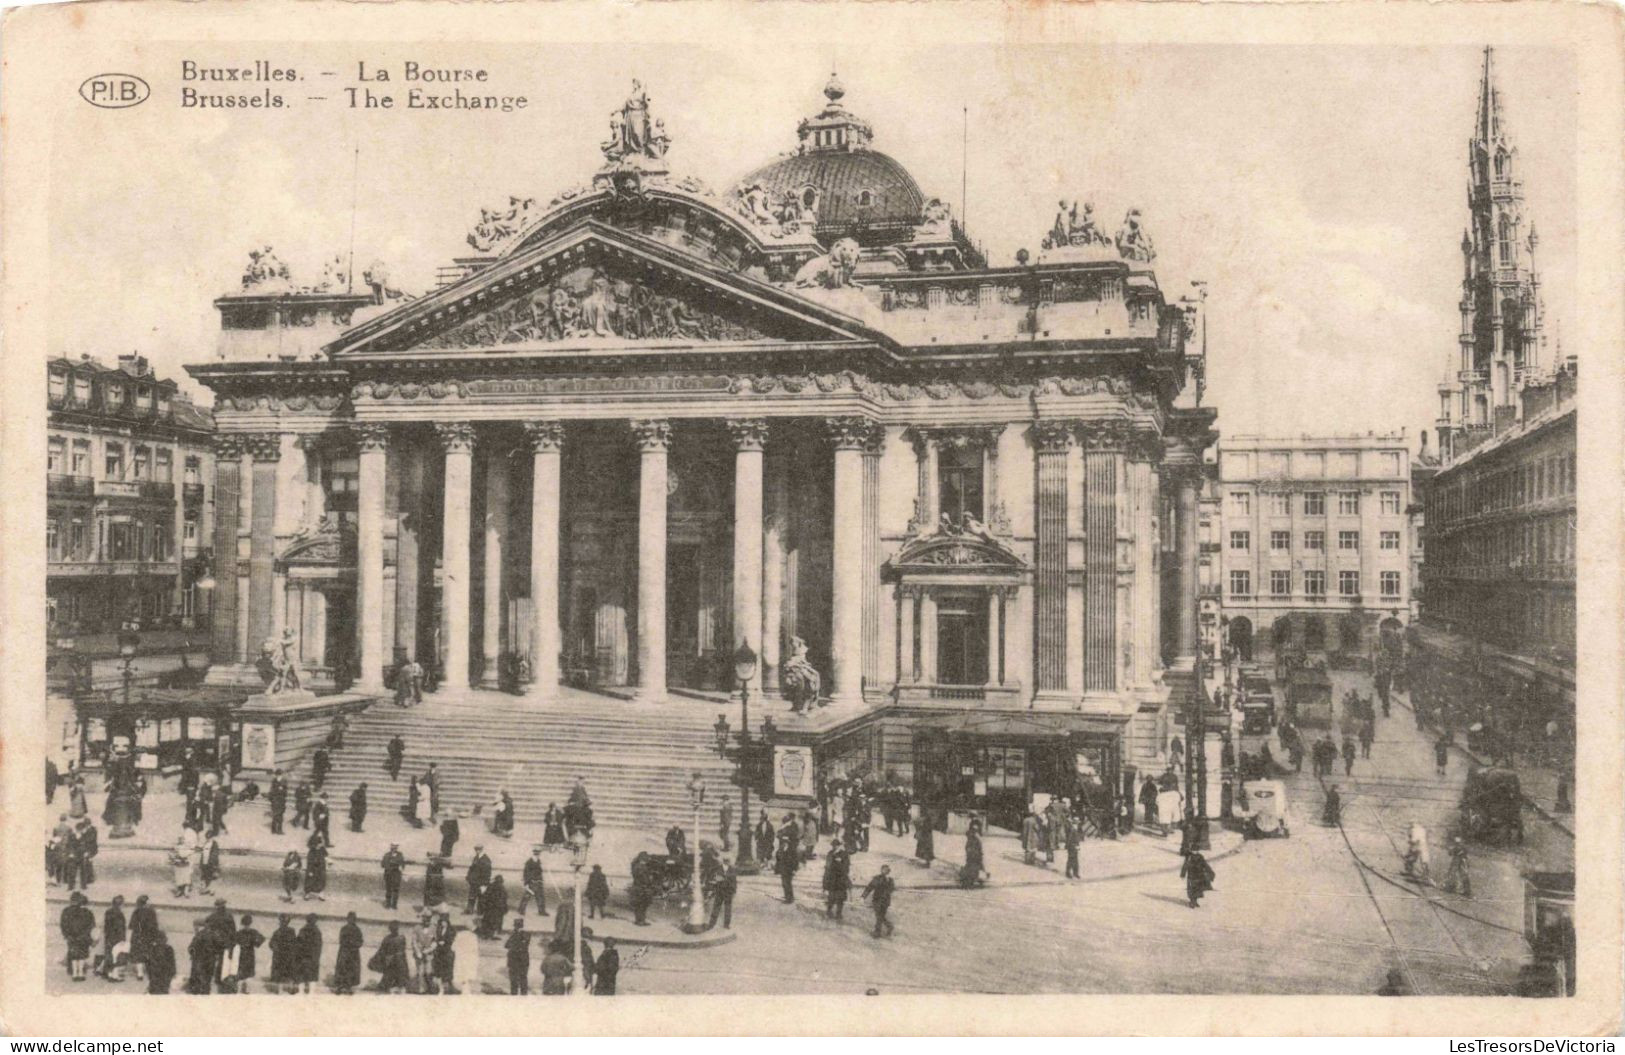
x=1319 y=191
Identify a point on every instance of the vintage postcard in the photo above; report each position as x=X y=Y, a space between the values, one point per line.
x=962 y=518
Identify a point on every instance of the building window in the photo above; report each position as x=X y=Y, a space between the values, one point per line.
x=1314 y=583
x=81 y=458
x=1280 y=541
x=1280 y=504
x=1390 y=584
x=165 y=470
x=1390 y=540
x=1241 y=540
x=1314 y=540
x=55 y=455
x=81 y=391
x=1348 y=583
x=189 y=530
x=1275 y=464
x=866 y=198
x=120 y=540
x=1280 y=582
x=1241 y=503
x=194 y=469
x=1348 y=503
x=1504 y=242
x=51 y=539
x=114 y=462
x=76 y=539
x=1390 y=503
x=959 y=480
x=1241 y=583
x=113 y=396
x=59 y=384
x=1314 y=504
x=143 y=464
x=1348 y=540
x=1312 y=464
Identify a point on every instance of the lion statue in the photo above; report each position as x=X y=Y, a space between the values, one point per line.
x=833 y=270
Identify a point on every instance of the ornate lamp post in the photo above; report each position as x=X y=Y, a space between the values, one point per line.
x=696 y=900
x=744 y=671
x=1196 y=762
x=121 y=793
x=578 y=861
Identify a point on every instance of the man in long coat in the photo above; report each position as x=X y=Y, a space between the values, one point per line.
x=397 y=753
x=837 y=880
x=787 y=861
x=358 y=807
x=114 y=932
x=394 y=865
x=284 y=953
x=78 y=926
x=143 y=933
x=1198 y=876
x=879 y=893
x=493 y=906
x=347 y=965
x=479 y=874
x=518 y=945
x=309 y=955
x=533 y=883
x=277 y=797
x=390 y=961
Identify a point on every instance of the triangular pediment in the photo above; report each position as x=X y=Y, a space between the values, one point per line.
x=599 y=287
x=953 y=549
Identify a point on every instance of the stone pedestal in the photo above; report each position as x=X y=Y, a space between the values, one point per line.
x=278 y=731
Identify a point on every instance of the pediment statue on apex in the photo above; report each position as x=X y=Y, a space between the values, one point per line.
x=1132 y=241
x=632 y=132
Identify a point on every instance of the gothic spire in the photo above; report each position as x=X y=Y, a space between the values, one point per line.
x=1488 y=126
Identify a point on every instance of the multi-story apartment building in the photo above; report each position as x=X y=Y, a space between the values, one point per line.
x=128 y=506
x=1313 y=540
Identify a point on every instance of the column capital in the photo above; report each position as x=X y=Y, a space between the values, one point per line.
x=874 y=442
x=229 y=445
x=961 y=437
x=544 y=436
x=1182 y=473
x=1052 y=436
x=310 y=442
x=371 y=436
x=749 y=434
x=263 y=446
x=1144 y=445
x=849 y=433
x=1105 y=436
x=457 y=437
x=652 y=434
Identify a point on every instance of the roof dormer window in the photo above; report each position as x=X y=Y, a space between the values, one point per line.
x=866 y=198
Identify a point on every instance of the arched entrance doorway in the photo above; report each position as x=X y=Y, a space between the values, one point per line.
x=1281 y=633
x=1241 y=638
x=1314 y=634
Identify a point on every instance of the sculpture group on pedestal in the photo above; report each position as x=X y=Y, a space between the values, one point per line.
x=801 y=680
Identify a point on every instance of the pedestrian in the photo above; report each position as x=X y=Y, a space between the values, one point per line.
x=1441 y=755
x=764 y=838
x=53 y=777
x=85 y=850
x=301 y=805
x=1368 y=735
x=78 y=925
x=642 y=895
x=321 y=818
x=422 y=948
x=160 y=964
x=319 y=766
x=465 y=951
x=201 y=955
x=606 y=970
x=808 y=827
x=534 y=886
x=358 y=807
x=478 y=875
x=115 y=945
x=450 y=832
x=284 y=946
x=1198 y=876
x=293 y=870
x=335 y=733
x=973 y=874
x=222 y=943
x=553 y=826
x=1456 y=879
x=493 y=907
x=390 y=961
x=187 y=784
x=1148 y=800
x=431 y=777
x=722 y=899
x=785 y=863
x=309 y=954
x=395 y=755
x=77 y=807
x=180 y=861
x=1417 y=864
x=1332 y=815
x=316 y=872
x=143 y=932
x=1349 y=754
x=725 y=823
x=676 y=843
x=247 y=940
x=878 y=893
x=394 y=866
x=1029 y=837
x=597 y=893
x=445 y=953
x=347 y=965
x=211 y=865
x=502 y=815
x=556 y=970
x=837 y=881
x=1070 y=834
x=434 y=882
x=219 y=804
x=518 y=945
x=924 y=838
x=277 y=798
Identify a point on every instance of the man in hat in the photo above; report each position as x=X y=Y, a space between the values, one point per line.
x=222 y=929
x=533 y=884
x=394 y=865
x=518 y=945
x=479 y=875
x=114 y=948
x=358 y=807
x=606 y=970
x=397 y=753
x=450 y=832
x=722 y=897
x=837 y=880
x=878 y=893
x=143 y=935
x=277 y=797
x=301 y=805
x=248 y=940
x=321 y=818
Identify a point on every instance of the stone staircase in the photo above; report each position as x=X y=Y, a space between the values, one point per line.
x=636 y=759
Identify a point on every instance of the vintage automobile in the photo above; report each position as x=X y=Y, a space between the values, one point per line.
x=1309 y=697
x=1492 y=806
x=1261 y=807
x=1257 y=714
x=1548 y=927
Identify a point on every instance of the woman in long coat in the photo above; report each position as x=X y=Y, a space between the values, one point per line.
x=143 y=935
x=160 y=964
x=310 y=953
x=434 y=882
x=445 y=957
x=924 y=838
x=493 y=906
x=1198 y=876
x=971 y=874
x=553 y=826
x=180 y=859
x=293 y=870
x=390 y=961
x=76 y=799
x=347 y=967
x=284 y=953
x=316 y=872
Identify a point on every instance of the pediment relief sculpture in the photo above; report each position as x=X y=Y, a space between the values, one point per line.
x=967 y=543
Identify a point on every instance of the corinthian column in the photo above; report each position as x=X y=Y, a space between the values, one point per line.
x=373 y=442
x=849 y=436
x=265 y=449
x=223 y=611
x=496 y=533
x=458 y=440
x=654 y=441
x=773 y=534
x=1188 y=482
x=750 y=439
x=546 y=445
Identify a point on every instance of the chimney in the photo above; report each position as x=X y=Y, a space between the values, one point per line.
x=1424 y=451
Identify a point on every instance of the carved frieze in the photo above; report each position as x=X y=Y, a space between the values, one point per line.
x=589 y=303
x=296 y=402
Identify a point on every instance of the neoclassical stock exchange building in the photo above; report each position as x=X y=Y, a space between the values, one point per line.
x=647 y=422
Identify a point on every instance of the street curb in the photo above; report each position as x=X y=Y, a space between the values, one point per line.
x=407 y=921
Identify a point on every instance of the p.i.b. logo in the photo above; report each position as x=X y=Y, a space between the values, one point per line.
x=114 y=91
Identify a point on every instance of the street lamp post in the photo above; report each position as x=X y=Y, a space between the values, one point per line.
x=696 y=902
x=744 y=669
x=578 y=860
x=1196 y=762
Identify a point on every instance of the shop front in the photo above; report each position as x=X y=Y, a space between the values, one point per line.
x=999 y=765
x=159 y=729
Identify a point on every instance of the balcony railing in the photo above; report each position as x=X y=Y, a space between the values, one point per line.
x=64 y=484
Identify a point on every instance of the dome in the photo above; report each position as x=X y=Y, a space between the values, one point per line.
x=855 y=191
